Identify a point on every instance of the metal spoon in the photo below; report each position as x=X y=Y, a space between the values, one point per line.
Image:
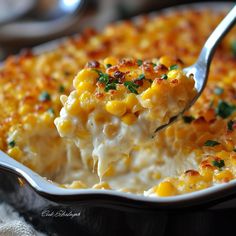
x=199 y=71
x=37 y=10
x=47 y=20
x=55 y=9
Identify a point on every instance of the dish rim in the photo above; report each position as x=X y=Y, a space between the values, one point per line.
x=53 y=192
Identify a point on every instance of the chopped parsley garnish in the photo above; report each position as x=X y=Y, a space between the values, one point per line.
x=230 y=125
x=218 y=91
x=44 y=96
x=188 y=119
x=233 y=47
x=131 y=86
x=139 y=62
x=164 y=76
x=219 y=164
x=224 y=109
x=51 y=111
x=142 y=76
x=108 y=65
x=104 y=78
x=211 y=143
x=173 y=67
x=61 y=89
x=12 y=144
x=111 y=86
x=154 y=64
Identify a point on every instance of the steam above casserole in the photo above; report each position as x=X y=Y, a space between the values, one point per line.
x=196 y=152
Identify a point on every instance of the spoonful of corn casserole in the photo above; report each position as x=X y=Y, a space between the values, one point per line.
x=118 y=104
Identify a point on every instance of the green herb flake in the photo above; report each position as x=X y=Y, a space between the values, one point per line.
x=139 y=62
x=154 y=64
x=230 y=125
x=173 y=67
x=233 y=47
x=12 y=143
x=218 y=91
x=61 y=89
x=164 y=76
x=108 y=65
x=104 y=78
x=188 y=119
x=141 y=77
x=51 y=111
x=211 y=143
x=219 y=164
x=131 y=86
x=111 y=86
x=44 y=96
x=234 y=149
x=224 y=109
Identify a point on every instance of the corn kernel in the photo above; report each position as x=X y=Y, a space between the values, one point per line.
x=110 y=60
x=223 y=176
x=131 y=101
x=229 y=145
x=148 y=93
x=30 y=120
x=207 y=174
x=166 y=61
x=87 y=101
x=101 y=117
x=77 y=184
x=47 y=118
x=85 y=75
x=223 y=154
x=65 y=127
x=85 y=86
x=15 y=152
x=129 y=118
x=102 y=185
x=117 y=108
x=166 y=189
x=74 y=108
x=173 y=74
x=24 y=109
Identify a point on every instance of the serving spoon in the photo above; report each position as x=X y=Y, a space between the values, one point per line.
x=200 y=69
x=42 y=10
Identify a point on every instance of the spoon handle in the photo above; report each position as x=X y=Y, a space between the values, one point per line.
x=214 y=39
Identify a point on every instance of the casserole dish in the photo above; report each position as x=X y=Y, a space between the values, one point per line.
x=98 y=211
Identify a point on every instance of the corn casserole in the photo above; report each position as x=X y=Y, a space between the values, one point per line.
x=196 y=152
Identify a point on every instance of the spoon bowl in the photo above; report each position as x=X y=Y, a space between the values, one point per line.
x=55 y=9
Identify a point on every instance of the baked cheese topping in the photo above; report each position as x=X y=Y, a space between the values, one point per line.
x=118 y=104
